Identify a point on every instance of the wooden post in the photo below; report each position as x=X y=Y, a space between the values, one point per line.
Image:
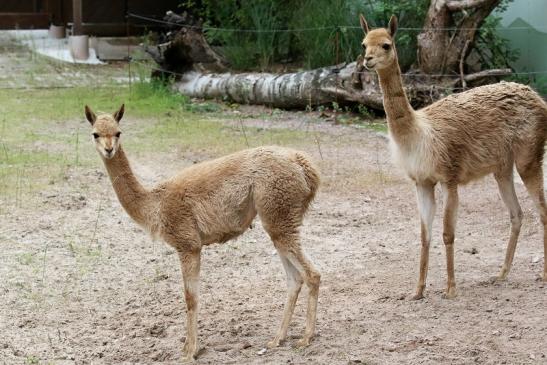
x=77 y=17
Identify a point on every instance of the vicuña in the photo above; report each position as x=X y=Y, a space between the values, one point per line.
x=465 y=136
x=216 y=201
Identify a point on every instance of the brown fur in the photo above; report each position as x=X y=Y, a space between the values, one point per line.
x=486 y=130
x=216 y=201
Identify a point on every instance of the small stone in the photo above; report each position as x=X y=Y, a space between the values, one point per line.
x=262 y=351
x=222 y=348
x=245 y=345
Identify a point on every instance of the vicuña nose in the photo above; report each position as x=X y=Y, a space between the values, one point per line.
x=109 y=150
x=368 y=58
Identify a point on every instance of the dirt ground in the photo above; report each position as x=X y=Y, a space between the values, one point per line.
x=81 y=283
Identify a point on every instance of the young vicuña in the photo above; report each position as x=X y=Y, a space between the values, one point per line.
x=216 y=201
x=486 y=130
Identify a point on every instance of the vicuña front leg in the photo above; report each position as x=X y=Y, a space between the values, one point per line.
x=426 y=205
x=294 y=284
x=509 y=197
x=190 y=263
x=449 y=226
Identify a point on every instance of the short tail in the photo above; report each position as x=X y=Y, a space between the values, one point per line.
x=311 y=175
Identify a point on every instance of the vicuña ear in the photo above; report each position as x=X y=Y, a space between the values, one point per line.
x=392 y=26
x=90 y=116
x=364 y=24
x=119 y=114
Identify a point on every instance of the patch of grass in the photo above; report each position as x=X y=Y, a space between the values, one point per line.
x=26 y=258
x=376 y=125
x=31 y=359
x=205 y=133
x=38 y=143
x=44 y=135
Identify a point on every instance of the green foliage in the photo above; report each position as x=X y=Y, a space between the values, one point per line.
x=327 y=21
x=494 y=50
x=537 y=82
x=314 y=33
x=242 y=48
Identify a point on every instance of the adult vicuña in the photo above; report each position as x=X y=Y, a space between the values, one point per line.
x=458 y=139
x=216 y=201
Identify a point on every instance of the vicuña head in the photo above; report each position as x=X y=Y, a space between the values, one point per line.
x=106 y=131
x=378 y=45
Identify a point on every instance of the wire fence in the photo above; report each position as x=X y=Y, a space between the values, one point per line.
x=434 y=88
x=297 y=30
x=80 y=69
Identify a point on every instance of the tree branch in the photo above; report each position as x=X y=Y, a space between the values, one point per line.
x=488 y=73
x=459 y=5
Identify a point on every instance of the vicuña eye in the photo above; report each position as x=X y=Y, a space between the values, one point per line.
x=118 y=134
x=385 y=46
x=95 y=135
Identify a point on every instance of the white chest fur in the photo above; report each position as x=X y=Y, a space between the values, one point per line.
x=414 y=156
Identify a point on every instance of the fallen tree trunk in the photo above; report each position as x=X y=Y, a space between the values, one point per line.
x=291 y=90
x=344 y=84
x=201 y=72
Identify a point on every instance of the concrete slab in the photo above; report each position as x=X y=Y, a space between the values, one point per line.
x=58 y=49
x=118 y=48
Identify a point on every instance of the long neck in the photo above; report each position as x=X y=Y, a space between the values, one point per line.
x=399 y=112
x=131 y=194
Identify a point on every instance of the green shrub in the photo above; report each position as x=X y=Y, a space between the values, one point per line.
x=306 y=32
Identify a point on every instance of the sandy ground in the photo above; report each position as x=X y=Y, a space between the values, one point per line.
x=81 y=283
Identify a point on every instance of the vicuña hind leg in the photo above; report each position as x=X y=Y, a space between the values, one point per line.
x=294 y=284
x=533 y=180
x=190 y=263
x=509 y=197
x=289 y=247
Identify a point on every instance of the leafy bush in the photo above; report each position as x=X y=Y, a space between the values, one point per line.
x=323 y=23
x=245 y=49
x=494 y=50
x=307 y=31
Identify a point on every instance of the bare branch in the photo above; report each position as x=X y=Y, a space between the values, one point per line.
x=498 y=72
x=459 y=5
x=462 y=59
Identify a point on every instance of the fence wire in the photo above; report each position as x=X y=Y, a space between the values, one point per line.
x=296 y=30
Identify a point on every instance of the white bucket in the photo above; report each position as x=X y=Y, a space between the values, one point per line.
x=56 y=31
x=79 y=47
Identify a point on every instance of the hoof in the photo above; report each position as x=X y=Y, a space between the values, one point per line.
x=303 y=342
x=418 y=296
x=188 y=358
x=449 y=295
x=189 y=353
x=498 y=279
x=273 y=343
